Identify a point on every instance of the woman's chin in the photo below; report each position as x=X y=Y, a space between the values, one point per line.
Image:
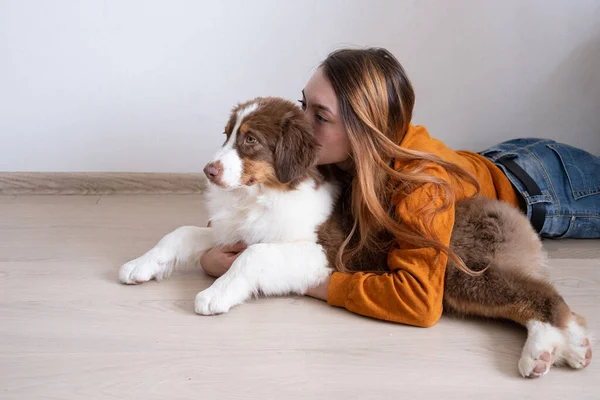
x=344 y=164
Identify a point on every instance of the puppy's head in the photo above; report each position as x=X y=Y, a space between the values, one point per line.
x=268 y=142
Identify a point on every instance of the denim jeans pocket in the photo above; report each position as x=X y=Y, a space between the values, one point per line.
x=582 y=169
x=496 y=152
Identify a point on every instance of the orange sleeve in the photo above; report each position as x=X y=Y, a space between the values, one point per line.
x=412 y=292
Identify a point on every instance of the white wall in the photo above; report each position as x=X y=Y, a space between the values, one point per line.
x=147 y=85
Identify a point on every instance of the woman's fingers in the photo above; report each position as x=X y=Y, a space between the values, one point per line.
x=234 y=248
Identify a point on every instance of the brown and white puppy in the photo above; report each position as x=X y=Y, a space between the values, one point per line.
x=266 y=191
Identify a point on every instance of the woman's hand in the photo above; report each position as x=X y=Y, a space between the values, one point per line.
x=320 y=291
x=218 y=260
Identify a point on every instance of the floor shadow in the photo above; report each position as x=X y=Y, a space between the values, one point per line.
x=505 y=341
x=188 y=281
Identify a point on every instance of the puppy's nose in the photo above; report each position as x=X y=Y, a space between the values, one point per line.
x=213 y=171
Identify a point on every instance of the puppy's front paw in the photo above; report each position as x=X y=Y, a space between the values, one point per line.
x=212 y=302
x=143 y=269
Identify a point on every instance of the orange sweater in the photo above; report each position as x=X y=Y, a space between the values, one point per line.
x=412 y=291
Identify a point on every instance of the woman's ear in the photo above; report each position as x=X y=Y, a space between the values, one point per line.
x=296 y=150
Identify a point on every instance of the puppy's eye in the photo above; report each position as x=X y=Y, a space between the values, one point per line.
x=251 y=139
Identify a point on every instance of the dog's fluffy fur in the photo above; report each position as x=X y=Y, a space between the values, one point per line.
x=493 y=234
x=266 y=191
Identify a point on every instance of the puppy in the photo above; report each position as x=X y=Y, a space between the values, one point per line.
x=266 y=191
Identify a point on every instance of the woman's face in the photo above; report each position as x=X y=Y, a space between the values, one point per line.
x=321 y=107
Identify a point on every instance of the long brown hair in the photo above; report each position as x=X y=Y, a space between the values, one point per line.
x=376 y=101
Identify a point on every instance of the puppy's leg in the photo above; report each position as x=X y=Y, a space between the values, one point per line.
x=554 y=333
x=183 y=245
x=489 y=232
x=269 y=268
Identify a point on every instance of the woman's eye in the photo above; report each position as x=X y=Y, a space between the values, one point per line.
x=320 y=118
x=250 y=139
x=303 y=103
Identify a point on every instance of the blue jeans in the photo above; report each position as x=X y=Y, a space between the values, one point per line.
x=569 y=179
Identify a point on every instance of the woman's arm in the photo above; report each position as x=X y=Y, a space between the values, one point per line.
x=320 y=291
x=216 y=261
x=410 y=295
x=412 y=292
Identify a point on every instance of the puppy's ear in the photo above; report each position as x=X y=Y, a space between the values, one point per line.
x=297 y=148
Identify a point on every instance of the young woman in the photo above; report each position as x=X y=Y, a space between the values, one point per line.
x=360 y=104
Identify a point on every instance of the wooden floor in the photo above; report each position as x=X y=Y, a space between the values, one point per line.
x=69 y=330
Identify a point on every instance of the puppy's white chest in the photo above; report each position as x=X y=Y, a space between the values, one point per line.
x=270 y=216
